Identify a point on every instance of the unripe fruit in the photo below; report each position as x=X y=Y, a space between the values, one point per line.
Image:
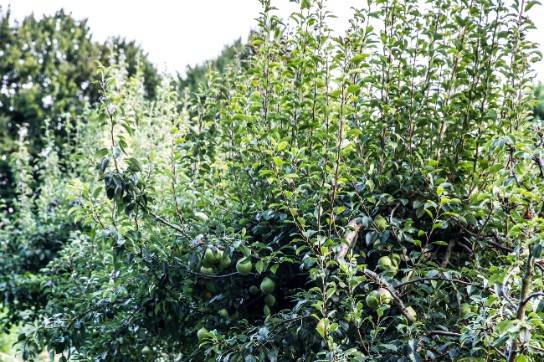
x=270 y=300
x=202 y=333
x=372 y=300
x=217 y=255
x=411 y=312
x=209 y=257
x=225 y=261
x=385 y=296
x=146 y=351
x=378 y=297
x=244 y=266
x=207 y=270
x=253 y=290
x=223 y=313
x=267 y=285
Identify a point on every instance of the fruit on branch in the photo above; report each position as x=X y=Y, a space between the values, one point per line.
x=378 y=297
x=267 y=285
x=223 y=313
x=207 y=270
x=244 y=266
x=253 y=290
x=270 y=300
x=225 y=261
x=211 y=256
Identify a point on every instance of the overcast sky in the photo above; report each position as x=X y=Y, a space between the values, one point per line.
x=177 y=33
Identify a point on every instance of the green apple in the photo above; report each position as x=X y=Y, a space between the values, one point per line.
x=378 y=297
x=225 y=261
x=209 y=257
x=244 y=266
x=385 y=296
x=372 y=300
x=267 y=285
x=207 y=270
x=270 y=300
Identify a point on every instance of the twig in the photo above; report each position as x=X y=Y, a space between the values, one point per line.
x=534 y=295
x=437 y=332
x=353 y=228
x=447 y=256
x=163 y=220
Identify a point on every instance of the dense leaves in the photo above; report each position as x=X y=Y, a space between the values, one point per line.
x=369 y=196
x=48 y=70
x=539 y=108
x=49 y=77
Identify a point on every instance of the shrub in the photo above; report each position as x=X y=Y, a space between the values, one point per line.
x=410 y=136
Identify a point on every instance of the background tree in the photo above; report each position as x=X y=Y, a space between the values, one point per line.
x=48 y=79
x=196 y=75
x=48 y=71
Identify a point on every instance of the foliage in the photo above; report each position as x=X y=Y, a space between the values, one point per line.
x=34 y=233
x=539 y=95
x=369 y=196
x=48 y=70
x=49 y=78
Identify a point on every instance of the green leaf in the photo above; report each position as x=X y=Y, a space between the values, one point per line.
x=358 y=58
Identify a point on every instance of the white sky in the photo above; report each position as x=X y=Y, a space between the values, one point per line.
x=177 y=33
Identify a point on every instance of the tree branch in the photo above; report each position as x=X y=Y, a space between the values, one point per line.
x=438 y=332
x=383 y=283
x=353 y=228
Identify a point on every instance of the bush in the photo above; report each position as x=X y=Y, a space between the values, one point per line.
x=410 y=136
